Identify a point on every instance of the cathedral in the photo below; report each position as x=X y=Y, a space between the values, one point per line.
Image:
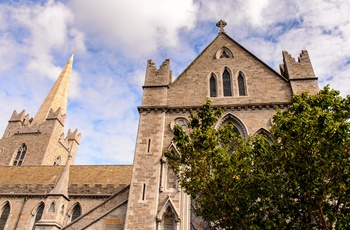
x=42 y=189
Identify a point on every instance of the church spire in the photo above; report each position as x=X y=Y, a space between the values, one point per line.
x=58 y=95
x=61 y=187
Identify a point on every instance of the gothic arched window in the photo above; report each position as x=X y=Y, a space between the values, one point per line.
x=212 y=84
x=21 y=152
x=76 y=212
x=52 y=207
x=37 y=214
x=226 y=79
x=169 y=220
x=241 y=85
x=5 y=212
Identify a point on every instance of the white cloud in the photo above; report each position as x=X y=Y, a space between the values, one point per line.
x=115 y=38
x=136 y=27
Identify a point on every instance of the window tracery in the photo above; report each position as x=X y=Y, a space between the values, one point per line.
x=21 y=152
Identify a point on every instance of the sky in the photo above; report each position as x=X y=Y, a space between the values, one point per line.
x=115 y=38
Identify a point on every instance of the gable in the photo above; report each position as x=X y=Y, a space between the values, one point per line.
x=263 y=84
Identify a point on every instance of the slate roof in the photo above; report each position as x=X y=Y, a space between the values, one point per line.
x=83 y=179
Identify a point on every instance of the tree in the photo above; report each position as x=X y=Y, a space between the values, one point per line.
x=300 y=181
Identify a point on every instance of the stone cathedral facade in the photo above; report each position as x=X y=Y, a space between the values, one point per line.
x=41 y=188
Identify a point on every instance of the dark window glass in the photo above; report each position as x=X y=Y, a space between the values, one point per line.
x=241 y=85
x=38 y=215
x=21 y=152
x=4 y=215
x=76 y=212
x=212 y=86
x=227 y=83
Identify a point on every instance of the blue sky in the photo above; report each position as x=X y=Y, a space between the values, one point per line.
x=115 y=38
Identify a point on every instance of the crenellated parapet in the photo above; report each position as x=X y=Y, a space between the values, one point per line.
x=73 y=189
x=301 y=69
x=158 y=77
x=21 y=123
x=21 y=117
x=56 y=115
x=157 y=82
x=69 y=138
x=300 y=73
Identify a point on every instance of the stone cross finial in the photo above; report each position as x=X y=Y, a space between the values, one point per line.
x=221 y=24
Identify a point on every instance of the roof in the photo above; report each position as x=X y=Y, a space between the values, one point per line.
x=83 y=179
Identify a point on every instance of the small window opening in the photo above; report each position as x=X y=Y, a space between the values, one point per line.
x=76 y=212
x=212 y=86
x=52 y=207
x=241 y=85
x=149 y=146
x=227 y=83
x=144 y=192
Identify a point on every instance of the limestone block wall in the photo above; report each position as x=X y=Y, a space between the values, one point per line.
x=152 y=185
x=44 y=144
x=263 y=84
x=143 y=198
x=23 y=209
x=107 y=214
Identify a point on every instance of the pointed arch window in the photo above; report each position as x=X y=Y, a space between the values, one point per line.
x=52 y=207
x=21 y=152
x=38 y=213
x=226 y=79
x=213 y=86
x=76 y=212
x=241 y=85
x=169 y=220
x=5 y=213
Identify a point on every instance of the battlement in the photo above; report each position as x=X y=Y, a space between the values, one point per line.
x=71 y=136
x=20 y=123
x=158 y=77
x=86 y=189
x=21 y=117
x=56 y=115
x=301 y=69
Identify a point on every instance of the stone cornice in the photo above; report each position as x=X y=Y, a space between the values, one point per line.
x=238 y=107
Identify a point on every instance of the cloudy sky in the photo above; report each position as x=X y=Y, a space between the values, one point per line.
x=115 y=38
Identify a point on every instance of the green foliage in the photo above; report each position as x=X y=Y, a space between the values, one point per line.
x=312 y=151
x=300 y=181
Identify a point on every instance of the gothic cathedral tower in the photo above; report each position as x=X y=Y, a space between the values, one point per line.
x=41 y=141
x=234 y=79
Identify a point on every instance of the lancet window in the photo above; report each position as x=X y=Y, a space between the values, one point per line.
x=5 y=213
x=37 y=214
x=227 y=85
x=213 y=88
x=242 y=85
x=76 y=212
x=21 y=152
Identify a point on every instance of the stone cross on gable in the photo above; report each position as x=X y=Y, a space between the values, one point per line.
x=221 y=24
